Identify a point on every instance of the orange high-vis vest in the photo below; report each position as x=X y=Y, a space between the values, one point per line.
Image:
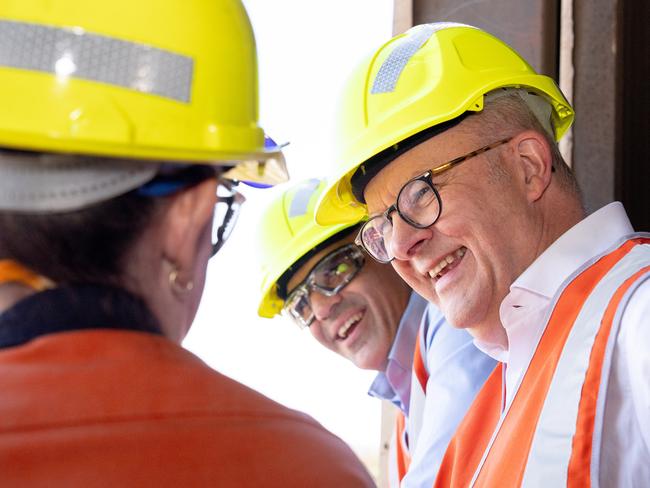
x=420 y=372
x=550 y=435
x=12 y=272
x=402 y=456
x=406 y=430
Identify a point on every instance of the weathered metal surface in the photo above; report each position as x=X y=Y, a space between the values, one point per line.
x=634 y=174
x=597 y=99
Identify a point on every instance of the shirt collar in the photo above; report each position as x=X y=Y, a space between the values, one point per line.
x=74 y=307
x=590 y=237
x=535 y=287
x=394 y=384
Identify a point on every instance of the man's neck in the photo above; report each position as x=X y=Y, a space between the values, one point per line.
x=492 y=333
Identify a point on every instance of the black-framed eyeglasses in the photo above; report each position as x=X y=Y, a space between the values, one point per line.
x=418 y=204
x=328 y=277
x=174 y=178
x=226 y=212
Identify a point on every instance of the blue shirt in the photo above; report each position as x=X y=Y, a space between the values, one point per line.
x=394 y=384
x=456 y=372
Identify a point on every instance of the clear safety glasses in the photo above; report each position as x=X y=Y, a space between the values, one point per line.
x=418 y=204
x=328 y=277
x=175 y=178
x=226 y=212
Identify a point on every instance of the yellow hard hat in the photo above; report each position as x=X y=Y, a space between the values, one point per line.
x=144 y=79
x=429 y=75
x=288 y=232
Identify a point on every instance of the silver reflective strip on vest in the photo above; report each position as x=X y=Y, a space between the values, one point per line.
x=300 y=202
x=78 y=54
x=391 y=69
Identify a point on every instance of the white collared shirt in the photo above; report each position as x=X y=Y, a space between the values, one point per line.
x=625 y=459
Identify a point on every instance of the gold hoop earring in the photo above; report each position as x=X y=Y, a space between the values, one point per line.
x=177 y=286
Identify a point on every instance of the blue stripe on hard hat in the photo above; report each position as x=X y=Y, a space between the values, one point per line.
x=300 y=202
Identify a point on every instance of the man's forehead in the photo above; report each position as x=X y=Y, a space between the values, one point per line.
x=370 y=168
x=311 y=263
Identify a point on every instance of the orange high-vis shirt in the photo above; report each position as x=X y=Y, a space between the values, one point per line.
x=104 y=407
x=120 y=408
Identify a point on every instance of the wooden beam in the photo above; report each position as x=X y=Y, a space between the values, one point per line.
x=402 y=16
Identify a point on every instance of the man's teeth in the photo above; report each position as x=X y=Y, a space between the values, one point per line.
x=343 y=331
x=447 y=260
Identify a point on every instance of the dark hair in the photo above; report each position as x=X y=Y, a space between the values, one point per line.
x=82 y=246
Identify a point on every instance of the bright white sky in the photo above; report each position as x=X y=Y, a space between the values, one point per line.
x=306 y=50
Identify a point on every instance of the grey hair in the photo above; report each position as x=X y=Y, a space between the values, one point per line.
x=509 y=113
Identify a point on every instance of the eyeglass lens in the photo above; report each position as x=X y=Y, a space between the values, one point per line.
x=418 y=203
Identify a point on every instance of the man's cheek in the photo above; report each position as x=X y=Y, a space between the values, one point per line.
x=411 y=277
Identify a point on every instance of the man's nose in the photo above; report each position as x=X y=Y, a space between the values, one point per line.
x=406 y=239
x=322 y=305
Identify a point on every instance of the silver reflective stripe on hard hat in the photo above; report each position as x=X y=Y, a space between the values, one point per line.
x=72 y=52
x=391 y=69
x=47 y=183
x=300 y=202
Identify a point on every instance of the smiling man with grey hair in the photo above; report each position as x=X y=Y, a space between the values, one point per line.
x=448 y=142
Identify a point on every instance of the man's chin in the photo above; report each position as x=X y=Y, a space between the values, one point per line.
x=371 y=364
x=456 y=316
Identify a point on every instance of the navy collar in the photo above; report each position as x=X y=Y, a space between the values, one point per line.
x=74 y=307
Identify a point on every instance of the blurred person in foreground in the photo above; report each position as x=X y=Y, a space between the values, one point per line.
x=362 y=310
x=449 y=143
x=124 y=129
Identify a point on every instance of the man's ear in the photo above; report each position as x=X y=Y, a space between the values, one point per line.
x=534 y=154
x=185 y=222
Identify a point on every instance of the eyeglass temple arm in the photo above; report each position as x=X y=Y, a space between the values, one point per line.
x=222 y=228
x=454 y=162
